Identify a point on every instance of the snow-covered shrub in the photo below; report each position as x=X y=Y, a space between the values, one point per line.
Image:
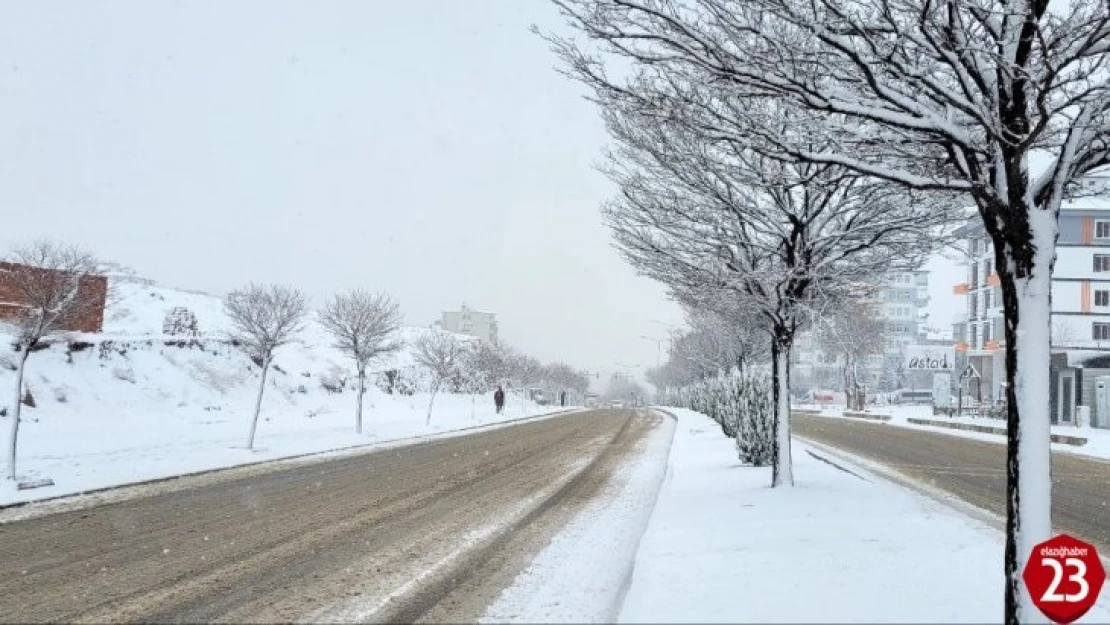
x=180 y=321
x=395 y=381
x=740 y=404
x=60 y=395
x=125 y=374
x=333 y=382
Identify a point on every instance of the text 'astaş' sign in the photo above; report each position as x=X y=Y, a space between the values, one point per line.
x=936 y=358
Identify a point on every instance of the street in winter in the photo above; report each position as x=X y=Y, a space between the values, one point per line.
x=555 y=311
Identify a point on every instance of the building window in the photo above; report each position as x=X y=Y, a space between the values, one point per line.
x=1102 y=298
x=987 y=299
x=1102 y=229
x=986 y=270
x=1101 y=331
x=1102 y=262
x=974 y=278
x=975 y=336
x=986 y=333
x=973 y=300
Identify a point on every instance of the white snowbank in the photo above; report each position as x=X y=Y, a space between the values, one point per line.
x=132 y=404
x=724 y=547
x=581 y=576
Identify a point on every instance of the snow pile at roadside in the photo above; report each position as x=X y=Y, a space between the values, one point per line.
x=724 y=547
x=581 y=576
x=1098 y=440
x=132 y=404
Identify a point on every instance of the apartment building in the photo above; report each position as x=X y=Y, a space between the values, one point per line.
x=1080 y=320
x=901 y=303
x=482 y=325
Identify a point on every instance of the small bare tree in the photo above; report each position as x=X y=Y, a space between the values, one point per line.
x=443 y=355
x=52 y=286
x=364 y=326
x=263 y=319
x=854 y=330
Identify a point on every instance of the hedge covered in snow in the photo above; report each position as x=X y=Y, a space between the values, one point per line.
x=741 y=404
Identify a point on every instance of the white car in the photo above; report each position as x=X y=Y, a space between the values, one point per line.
x=616 y=403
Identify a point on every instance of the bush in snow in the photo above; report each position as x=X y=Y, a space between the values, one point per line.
x=180 y=321
x=124 y=374
x=740 y=404
x=333 y=382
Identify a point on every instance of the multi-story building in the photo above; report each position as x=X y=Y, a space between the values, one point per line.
x=901 y=303
x=1080 y=319
x=471 y=322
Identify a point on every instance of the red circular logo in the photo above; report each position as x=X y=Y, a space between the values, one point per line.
x=1064 y=575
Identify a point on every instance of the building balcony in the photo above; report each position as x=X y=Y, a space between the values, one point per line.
x=962 y=346
x=961 y=289
x=992 y=346
x=994 y=280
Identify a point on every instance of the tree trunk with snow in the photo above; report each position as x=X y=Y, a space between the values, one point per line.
x=258 y=402
x=435 y=389
x=361 y=392
x=1025 y=272
x=782 y=470
x=17 y=405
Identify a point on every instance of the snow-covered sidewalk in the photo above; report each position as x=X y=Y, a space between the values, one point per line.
x=115 y=450
x=1098 y=440
x=838 y=547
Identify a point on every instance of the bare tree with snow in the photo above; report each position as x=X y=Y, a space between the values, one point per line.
x=263 y=319
x=853 y=331
x=444 y=355
x=703 y=215
x=949 y=95
x=364 y=326
x=53 y=288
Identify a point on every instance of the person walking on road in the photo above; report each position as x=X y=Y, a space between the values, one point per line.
x=499 y=399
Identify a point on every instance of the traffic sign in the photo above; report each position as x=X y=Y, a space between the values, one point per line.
x=970 y=372
x=1064 y=576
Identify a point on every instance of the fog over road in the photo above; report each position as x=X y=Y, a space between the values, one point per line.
x=428 y=531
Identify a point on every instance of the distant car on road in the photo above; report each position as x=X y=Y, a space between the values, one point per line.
x=616 y=403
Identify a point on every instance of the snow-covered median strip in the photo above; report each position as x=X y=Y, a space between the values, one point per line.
x=581 y=576
x=724 y=547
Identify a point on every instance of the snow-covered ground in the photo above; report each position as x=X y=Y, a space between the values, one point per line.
x=1098 y=440
x=722 y=546
x=132 y=404
x=582 y=575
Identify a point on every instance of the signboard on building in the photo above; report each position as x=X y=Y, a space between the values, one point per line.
x=935 y=358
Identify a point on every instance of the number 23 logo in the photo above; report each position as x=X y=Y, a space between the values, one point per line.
x=1079 y=577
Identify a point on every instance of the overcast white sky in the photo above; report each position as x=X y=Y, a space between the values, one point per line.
x=426 y=148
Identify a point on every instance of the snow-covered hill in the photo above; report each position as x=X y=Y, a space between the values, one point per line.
x=132 y=403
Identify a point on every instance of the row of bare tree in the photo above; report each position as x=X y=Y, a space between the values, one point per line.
x=783 y=149
x=46 y=281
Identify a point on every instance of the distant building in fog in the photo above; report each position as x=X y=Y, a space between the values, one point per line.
x=482 y=325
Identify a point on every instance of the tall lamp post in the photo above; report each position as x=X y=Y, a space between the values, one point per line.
x=658 y=347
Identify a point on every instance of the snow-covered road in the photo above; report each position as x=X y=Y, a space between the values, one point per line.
x=436 y=528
